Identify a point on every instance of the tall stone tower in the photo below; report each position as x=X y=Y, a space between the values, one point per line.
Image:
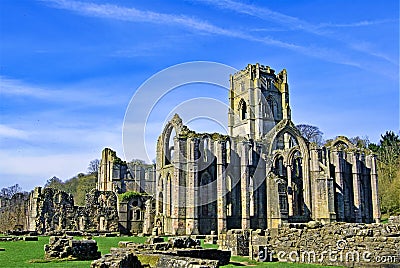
x=258 y=100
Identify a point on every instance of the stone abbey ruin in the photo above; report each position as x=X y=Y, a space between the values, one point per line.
x=263 y=176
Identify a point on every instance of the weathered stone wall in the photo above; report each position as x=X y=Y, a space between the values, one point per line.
x=13 y=213
x=121 y=176
x=136 y=215
x=333 y=244
x=237 y=241
x=54 y=210
x=51 y=210
x=100 y=212
x=67 y=247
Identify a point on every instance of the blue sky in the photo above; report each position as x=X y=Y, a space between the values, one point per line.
x=68 y=69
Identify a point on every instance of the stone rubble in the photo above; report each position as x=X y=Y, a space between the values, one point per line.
x=66 y=247
x=181 y=252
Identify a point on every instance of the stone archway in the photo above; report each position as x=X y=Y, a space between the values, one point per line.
x=288 y=142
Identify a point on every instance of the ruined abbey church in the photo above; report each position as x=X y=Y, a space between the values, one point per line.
x=261 y=175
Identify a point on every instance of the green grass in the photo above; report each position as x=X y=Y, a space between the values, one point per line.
x=22 y=253
x=207 y=245
x=19 y=253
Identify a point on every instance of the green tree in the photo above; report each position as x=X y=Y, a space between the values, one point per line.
x=55 y=183
x=388 y=152
x=85 y=184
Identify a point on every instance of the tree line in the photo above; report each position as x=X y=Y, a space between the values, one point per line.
x=79 y=185
x=388 y=156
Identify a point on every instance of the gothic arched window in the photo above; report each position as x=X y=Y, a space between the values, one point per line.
x=242 y=109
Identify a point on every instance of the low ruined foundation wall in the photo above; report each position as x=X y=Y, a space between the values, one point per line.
x=67 y=247
x=346 y=244
x=235 y=240
x=334 y=244
x=177 y=252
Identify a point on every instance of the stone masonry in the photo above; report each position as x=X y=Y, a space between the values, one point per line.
x=47 y=210
x=67 y=247
x=345 y=244
x=182 y=252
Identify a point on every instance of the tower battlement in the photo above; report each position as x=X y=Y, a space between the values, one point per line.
x=259 y=99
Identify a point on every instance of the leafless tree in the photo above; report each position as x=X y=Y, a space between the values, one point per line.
x=8 y=192
x=94 y=166
x=311 y=133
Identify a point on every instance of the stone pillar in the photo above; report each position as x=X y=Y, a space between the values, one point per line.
x=289 y=190
x=244 y=183
x=339 y=180
x=33 y=209
x=284 y=89
x=323 y=204
x=166 y=192
x=275 y=217
x=314 y=174
x=192 y=223
x=307 y=184
x=221 y=186
x=376 y=211
x=179 y=188
x=356 y=172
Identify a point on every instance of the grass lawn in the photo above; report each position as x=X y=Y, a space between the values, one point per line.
x=19 y=253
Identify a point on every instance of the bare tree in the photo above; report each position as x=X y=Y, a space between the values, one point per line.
x=8 y=192
x=311 y=133
x=94 y=166
x=360 y=142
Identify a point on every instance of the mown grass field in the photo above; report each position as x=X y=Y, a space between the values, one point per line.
x=21 y=254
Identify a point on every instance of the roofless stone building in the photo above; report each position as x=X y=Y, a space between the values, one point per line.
x=263 y=174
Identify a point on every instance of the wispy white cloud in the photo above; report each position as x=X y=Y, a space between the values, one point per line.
x=11 y=132
x=294 y=23
x=266 y=14
x=135 y=15
x=356 y=24
x=73 y=94
x=283 y=19
x=18 y=88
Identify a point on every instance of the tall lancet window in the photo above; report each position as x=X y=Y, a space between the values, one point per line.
x=228 y=196
x=228 y=151
x=205 y=149
x=242 y=109
x=251 y=196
